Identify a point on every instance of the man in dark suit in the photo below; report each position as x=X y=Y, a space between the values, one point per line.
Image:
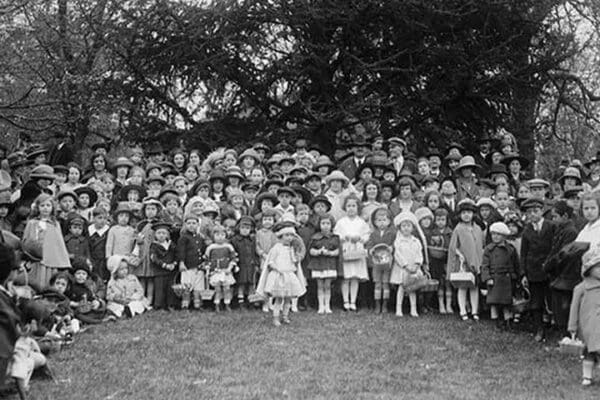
x=536 y=245
x=350 y=165
x=62 y=151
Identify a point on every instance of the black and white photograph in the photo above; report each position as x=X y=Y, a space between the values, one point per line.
x=299 y=199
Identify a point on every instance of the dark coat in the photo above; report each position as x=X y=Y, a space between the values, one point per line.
x=97 y=244
x=77 y=246
x=245 y=247
x=563 y=269
x=61 y=154
x=160 y=256
x=535 y=247
x=9 y=320
x=349 y=168
x=191 y=248
x=500 y=264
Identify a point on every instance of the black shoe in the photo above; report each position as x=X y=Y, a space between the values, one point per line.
x=127 y=312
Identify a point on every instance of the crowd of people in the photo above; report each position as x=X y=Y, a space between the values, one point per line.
x=290 y=229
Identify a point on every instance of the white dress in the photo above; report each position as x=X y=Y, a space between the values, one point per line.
x=407 y=253
x=346 y=228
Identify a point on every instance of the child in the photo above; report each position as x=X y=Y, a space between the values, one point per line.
x=121 y=237
x=438 y=239
x=383 y=234
x=124 y=293
x=97 y=235
x=282 y=276
x=500 y=270
x=502 y=200
x=244 y=244
x=43 y=241
x=324 y=260
x=145 y=236
x=584 y=317
x=353 y=232
x=590 y=207
x=305 y=231
x=76 y=242
x=536 y=245
x=221 y=258
x=466 y=248
x=408 y=260
x=284 y=196
x=265 y=240
x=172 y=212
x=89 y=307
x=162 y=261
x=5 y=208
x=66 y=204
x=190 y=249
x=235 y=207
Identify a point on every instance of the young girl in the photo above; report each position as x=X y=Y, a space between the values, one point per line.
x=590 y=209
x=370 y=199
x=466 y=248
x=244 y=243
x=354 y=233
x=438 y=239
x=500 y=270
x=324 y=251
x=222 y=260
x=145 y=236
x=265 y=240
x=124 y=293
x=408 y=260
x=383 y=234
x=584 y=316
x=121 y=237
x=43 y=241
x=282 y=277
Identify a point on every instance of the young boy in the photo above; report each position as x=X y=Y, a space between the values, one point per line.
x=76 y=242
x=190 y=248
x=536 y=244
x=384 y=233
x=500 y=270
x=284 y=196
x=97 y=234
x=244 y=244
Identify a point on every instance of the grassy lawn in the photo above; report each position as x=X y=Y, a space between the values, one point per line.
x=240 y=355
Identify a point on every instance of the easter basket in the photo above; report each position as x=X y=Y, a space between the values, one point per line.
x=571 y=346
x=207 y=293
x=431 y=285
x=353 y=252
x=179 y=289
x=462 y=279
x=521 y=299
x=381 y=256
x=255 y=297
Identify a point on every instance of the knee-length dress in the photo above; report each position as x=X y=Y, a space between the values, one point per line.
x=347 y=228
x=324 y=267
x=282 y=276
x=408 y=258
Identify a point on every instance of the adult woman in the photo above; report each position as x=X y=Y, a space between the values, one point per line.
x=405 y=202
x=97 y=169
x=515 y=164
x=337 y=190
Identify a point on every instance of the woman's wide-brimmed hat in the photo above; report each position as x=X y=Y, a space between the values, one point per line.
x=515 y=156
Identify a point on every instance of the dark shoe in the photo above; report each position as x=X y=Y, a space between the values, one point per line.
x=508 y=325
x=499 y=324
x=127 y=312
x=217 y=308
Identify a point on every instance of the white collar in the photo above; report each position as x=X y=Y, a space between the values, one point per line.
x=92 y=229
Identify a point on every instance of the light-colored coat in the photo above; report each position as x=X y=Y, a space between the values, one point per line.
x=584 y=317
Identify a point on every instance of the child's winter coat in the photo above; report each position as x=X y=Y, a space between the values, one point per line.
x=500 y=264
x=585 y=311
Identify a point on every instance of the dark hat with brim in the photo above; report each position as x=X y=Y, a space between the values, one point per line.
x=270 y=182
x=266 y=196
x=89 y=191
x=128 y=188
x=456 y=145
x=66 y=193
x=320 y=199
x=101 y=145
x=155 y=178
x=512 y=157
x=162 y=225
x=496 y=169
x=303 y=193
x=286 y=189
x=42 y=171
x=392 y=185
x=574 y=191
x=36 y=152
x=467 y=205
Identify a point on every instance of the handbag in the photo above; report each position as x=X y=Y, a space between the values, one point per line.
x=462 y=279
x=353 y=252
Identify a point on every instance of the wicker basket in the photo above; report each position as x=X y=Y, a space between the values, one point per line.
x=207 y=293
x=573 y=347
x=521 y=300
x=431 y=285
